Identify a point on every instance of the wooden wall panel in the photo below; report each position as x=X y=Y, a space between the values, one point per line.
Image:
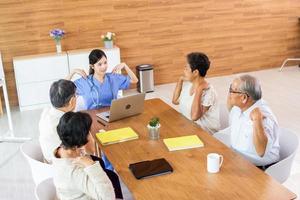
x=237 y=35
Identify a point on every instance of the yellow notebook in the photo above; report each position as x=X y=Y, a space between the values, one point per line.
x=184 y=142
x=117 y=135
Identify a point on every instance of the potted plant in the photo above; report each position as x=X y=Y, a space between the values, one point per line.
x=108 y=40
x=57 y=34
x=153 y=128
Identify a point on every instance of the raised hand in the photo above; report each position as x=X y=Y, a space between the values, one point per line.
x=119 y=67
x=80 y=72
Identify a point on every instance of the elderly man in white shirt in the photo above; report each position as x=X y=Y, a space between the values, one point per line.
x=254 y=131
x=63 y=99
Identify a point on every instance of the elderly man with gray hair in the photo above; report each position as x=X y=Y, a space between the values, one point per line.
x=254 y=130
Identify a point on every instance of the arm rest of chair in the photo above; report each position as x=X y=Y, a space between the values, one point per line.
x=282 y=169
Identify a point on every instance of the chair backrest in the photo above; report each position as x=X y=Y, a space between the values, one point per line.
x=224 y=116
x=34 y=156
x=289 y=143
x=80 y=104
x=45 y=190
x=224 y=137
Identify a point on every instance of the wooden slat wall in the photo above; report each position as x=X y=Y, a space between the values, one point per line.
x=237 y=35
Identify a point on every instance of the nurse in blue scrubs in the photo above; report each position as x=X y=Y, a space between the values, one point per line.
x=99 y=88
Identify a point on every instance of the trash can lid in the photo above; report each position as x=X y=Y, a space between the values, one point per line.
x=144 y=67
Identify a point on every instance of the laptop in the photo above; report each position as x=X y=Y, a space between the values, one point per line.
x=124 y=107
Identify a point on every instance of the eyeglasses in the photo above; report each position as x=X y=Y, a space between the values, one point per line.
x=236 y=92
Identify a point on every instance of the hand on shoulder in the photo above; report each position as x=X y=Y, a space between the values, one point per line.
x=119 y=67
x=80 y=72
x=84 y=161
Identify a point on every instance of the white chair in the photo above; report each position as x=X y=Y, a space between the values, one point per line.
x=2 y=82
x=3 y=85
x=289 y=59
x=80 y=105
x=45 y=190
x=289 y=143
x=286 y=60
x=223 y=136
x=34 y=156
x=9 y=137
x=224 y=116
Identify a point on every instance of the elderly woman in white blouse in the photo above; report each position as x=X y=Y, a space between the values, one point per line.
x=79 y=176
x=197 y=98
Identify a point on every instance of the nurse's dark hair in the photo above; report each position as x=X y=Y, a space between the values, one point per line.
x=73 y=129
x=94 y=57
x=61 y=92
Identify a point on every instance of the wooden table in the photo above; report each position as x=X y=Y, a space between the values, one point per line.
x=237 y=179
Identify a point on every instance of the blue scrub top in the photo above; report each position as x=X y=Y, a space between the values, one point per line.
x=96 y=94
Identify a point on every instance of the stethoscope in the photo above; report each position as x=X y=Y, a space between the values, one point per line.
x=95 y=95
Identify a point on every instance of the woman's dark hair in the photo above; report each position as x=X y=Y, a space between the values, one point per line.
x=61 y=92
x=198 y=61
x=94 y=57
x=73 y=129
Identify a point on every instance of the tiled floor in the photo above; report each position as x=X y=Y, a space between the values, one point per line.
x=280 y=89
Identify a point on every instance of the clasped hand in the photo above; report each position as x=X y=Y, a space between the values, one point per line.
x=256 y=115
x=119 y=68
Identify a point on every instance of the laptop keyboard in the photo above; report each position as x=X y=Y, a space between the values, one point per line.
x=103 y=114
x=106 y=114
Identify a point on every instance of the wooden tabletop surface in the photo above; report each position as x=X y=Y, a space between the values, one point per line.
x=237 y=179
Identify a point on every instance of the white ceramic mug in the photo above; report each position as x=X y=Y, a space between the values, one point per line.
x=214 y=162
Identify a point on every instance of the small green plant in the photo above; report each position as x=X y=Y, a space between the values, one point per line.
x=154 y=121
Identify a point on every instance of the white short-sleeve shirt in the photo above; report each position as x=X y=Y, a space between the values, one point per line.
x=241 y=134
x=49 y=139
x=210 y=120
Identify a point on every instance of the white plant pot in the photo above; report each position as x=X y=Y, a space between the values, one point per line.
x=153 y=132
x=108 y=44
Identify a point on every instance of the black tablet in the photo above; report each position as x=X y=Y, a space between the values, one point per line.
x=149 y=168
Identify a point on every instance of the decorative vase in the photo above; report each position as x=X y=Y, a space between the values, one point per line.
x=108 y=44
x=58 y=46
x=153 y=132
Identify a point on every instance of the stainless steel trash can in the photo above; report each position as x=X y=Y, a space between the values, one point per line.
x=145 y=75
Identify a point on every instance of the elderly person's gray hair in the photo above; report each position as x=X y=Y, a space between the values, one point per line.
x=250 y=86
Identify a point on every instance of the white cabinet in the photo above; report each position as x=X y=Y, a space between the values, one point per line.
x=31 y=94
x=39 y=68
x=35 y=74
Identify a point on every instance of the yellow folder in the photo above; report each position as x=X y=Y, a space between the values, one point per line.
x=117 y=135
x=184 y=142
